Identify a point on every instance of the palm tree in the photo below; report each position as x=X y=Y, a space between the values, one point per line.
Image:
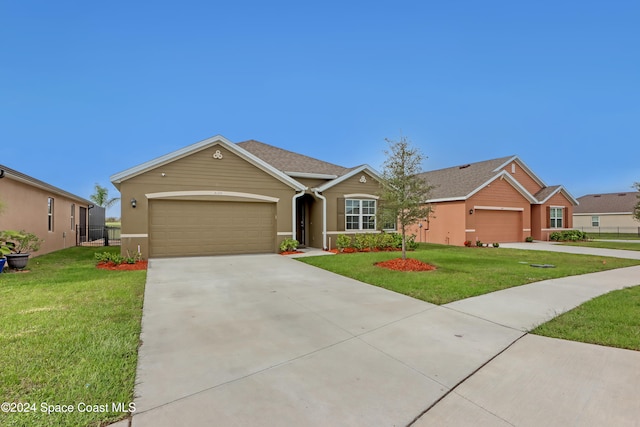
x=101 y=197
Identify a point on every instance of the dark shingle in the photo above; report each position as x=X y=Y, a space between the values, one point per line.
x=609 y=202
x=288 y=161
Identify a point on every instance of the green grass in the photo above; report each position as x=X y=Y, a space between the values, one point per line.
x=612 y=320
x=69 y=334
x=628 y=246
x=614 y=236
x=463 y=272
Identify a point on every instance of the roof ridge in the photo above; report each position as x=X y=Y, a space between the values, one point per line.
x=290 y=152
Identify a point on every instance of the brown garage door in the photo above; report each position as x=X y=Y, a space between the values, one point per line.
x=192 y=228
x=499 y=226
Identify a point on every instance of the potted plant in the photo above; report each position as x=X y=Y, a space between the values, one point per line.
x=5 y=249
x=20 y=245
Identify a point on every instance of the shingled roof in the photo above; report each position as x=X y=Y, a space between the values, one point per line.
x=459 y=181
x=290 y=162
x=607 y=203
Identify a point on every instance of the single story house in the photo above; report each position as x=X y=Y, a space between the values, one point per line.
x=610 y=212
x=49 y=212
x=499 y=200
x=217 y=197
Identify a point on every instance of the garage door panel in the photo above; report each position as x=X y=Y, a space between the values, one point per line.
x=499 y=226
x=191 y=228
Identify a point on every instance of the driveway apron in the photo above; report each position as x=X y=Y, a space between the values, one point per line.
x=266 y=340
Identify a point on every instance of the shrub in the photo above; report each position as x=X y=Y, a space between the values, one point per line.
x=371 y=241
x=496 y=245
x=360 y=241
x=289 y=245
x=386 y=241
x=528 y=239
x=568 y=236
x=479 y=243
x=105 y=257
x=467 y=243
x=343 y=241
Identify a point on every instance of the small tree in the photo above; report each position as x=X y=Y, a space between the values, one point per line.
x=101 y=197
x=403 y=192
x=636 y=209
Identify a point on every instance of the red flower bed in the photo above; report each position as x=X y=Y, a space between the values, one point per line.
x=138 y=265
x=409 y=264
x=291 y=252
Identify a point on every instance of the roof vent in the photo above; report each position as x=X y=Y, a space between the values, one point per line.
x=596 y=195
x=464 y=166
x=622 y=194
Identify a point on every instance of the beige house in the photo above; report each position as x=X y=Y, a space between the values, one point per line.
x=217 y=197
x=608 y=213
x=40 y=208
x=493 y=201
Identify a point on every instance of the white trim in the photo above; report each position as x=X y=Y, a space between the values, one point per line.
x=561 y=189
x=213 y=193
x=525 y=168
x=284 y=233
x=471 y=230
x=310 y=175
x=526 y=229
x=497 y=208
x=446 y=199
x=324 y=218
x=346 y=176
x=358 y=195
x=118 y=178
x=602 y=213
x=140 y=235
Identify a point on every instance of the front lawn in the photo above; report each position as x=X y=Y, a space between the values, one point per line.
x=463 y=272
x=612 y=319
x=627 y=246
x=69 y=337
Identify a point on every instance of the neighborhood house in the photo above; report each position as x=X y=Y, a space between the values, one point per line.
x=609 y=212
x=218 y=197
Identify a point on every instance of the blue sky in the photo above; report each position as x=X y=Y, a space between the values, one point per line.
x=88 y=89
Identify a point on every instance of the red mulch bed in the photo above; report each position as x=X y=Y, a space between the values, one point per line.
x=291 y=252
x=409 y=264
x=139 y=265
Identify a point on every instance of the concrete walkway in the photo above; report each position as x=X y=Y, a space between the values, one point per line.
x=266 y=340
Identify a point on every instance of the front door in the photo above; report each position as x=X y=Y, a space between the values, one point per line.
x=301 y=220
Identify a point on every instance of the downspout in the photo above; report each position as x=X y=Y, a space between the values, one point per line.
x=294 y=214
x=324 y=217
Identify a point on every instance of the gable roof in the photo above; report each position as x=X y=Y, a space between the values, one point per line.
x=7 y=172
x=607 y=203
x=463 y=181
x=118 y=178
x=459 y=182
x=293 y=164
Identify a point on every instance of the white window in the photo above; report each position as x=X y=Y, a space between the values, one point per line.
x=360 y=214
x=595 y=221
x=73 y=216
x=556 y=217
x=50 y=213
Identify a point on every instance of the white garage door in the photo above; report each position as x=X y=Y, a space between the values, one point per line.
x=193 y=228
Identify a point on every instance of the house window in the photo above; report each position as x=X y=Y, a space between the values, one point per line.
x=50 y=213
x=595 y=221
x=73 y=216
x=556 y=217
x=389 y=220
x=360 y=214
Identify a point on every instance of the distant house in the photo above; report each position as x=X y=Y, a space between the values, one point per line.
x=217 y=197
x=499 y=200
x=49 y=212
x=608 y=213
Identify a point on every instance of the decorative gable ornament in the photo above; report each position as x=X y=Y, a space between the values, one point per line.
x=217 y=155
x=363 y=179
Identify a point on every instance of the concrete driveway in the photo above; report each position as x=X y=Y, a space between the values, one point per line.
x=265 y=340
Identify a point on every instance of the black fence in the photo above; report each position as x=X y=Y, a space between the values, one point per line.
x=97 y=236
x=611 y=232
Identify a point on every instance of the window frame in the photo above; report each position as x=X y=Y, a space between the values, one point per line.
x=73 y=216
x=50 y=212
x=358 y=212
x=595 y=220
x=554 y=217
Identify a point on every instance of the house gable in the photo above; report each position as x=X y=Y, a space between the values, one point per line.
x=516 y=168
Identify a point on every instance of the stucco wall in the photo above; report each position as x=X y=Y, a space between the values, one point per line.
x=26 y=208
x=625 y=221
x=446 y=225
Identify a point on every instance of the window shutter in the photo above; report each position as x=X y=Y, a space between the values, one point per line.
x=548 y=217
x=341 y=219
